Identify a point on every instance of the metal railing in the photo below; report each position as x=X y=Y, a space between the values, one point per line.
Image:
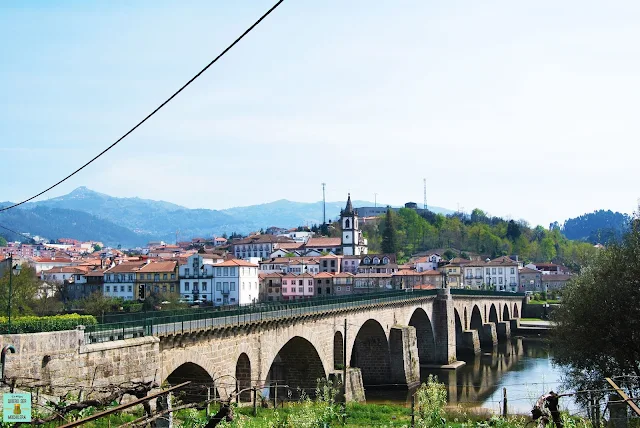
x=183 y=321
x=465 y=292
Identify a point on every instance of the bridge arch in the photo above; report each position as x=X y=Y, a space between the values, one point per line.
x=505 y=313
x=243 y=377
x=424 y=335
x=476 y=321
x=297 y=364
x=338 y=350
x=493 y=314
x=516 y=313
x=370 y=353
x=200 y=380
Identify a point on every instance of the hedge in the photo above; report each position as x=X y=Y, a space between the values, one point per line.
x=40 y=324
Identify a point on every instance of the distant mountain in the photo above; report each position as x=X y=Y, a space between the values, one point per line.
x=157 y=219
x=129 y=220
x=54 y=223
x=597 y=227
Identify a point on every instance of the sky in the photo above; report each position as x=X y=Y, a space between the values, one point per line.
x=526 y=109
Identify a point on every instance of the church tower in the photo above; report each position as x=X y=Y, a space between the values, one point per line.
x=353 y=244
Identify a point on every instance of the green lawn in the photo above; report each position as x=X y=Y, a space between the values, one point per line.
x=542 y=302
x=530 y=319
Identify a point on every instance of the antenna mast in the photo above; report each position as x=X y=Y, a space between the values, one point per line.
x=424 y=180
x=324 y=206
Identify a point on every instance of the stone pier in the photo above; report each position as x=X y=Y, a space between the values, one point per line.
x=489 y=336
x=503 y=330
x=404 y=361
x=470 y=342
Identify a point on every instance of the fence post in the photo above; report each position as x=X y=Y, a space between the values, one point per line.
x=275 y=396
x=255 y=401
x=504 y=402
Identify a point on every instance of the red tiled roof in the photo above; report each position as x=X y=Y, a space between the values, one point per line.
x=324 y=242
x=166 y=266
x=236 y=262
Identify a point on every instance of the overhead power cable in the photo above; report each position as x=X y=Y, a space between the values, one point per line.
x=247 y=31
x=13 y=231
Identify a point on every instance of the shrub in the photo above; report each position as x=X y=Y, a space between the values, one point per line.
x=34 y=324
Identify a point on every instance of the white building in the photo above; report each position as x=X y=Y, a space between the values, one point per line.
x=428 y=262
x=353 y=243
x=64 y=274
x=298 y=236
x=119 y=281
x=261 y=246
x=501 y=273
x=236 y=283
x=196 y=277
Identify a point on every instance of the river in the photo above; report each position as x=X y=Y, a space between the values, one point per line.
x=522 y=365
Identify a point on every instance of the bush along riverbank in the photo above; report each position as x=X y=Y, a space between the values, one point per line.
x=430 y=411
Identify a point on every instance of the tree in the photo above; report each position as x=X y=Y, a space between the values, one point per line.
x=97 y=247
x=24 y=287
x=3 y=242
x=598 y=323
x=513 y=230
x=448 y=255
x=389 y=241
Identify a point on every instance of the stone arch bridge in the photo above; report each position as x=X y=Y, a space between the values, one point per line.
x=387 y=339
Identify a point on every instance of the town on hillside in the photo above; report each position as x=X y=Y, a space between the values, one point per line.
x=275 y=265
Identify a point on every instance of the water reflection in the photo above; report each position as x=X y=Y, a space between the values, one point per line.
x=521 y=365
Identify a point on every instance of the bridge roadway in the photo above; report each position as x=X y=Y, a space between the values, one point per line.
x=185 y=324
x=388 y=336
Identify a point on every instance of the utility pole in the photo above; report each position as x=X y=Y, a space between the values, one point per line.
x=375 y=200
x=324 y=205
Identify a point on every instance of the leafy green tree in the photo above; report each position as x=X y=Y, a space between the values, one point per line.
x=513 y=230
x=24 y=288
x=3 y=242
x=448 y=255
x=97 y=247
x=389 y=242
x=548 y=249
x=598 y=323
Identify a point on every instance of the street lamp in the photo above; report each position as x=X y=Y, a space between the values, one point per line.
x=17 y=268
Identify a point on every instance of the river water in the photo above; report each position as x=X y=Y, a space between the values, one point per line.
x=521 y=365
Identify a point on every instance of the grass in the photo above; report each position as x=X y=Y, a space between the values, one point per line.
x=542 y=302
x=530 y=319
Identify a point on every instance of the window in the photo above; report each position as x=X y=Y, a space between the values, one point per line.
x=299 y=282
x=319 y=290
x=148 y=276
x=108 y=288
x=493 y=271
x=232 y=286
x=173 y=276
x=186 y=286
x=122 y=288
x=164 y=288
x=310 y=289
x=284 y=289
x=218 y=286
x=233 y=299
x=156 y=289
x=243 y=285
x=348 y=288
x=226 y=271
x=300 y=290
x=232 y=271
x=204 y=286
x=513 y=280
x=500 y=271
x=500 y=280
x=186 y=271
x=513 y=271
x=164 y=276
x=328 y=290
x=376 y=261
x=172 y=288
x=385 y=261
x=130 y=288
x=218 y=271
x=338 y=288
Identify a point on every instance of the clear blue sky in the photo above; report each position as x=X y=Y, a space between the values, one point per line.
x=527 y=109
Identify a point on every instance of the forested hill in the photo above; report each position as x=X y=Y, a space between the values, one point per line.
x=597 y=227
x=477 y=233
